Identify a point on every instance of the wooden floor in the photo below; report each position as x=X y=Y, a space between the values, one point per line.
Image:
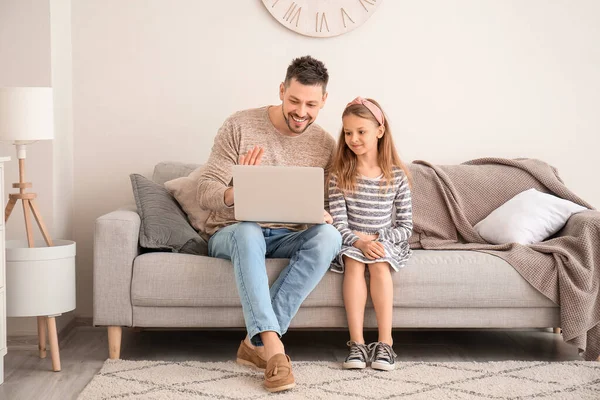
x=84 y=349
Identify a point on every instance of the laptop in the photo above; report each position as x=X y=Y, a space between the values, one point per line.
x=278 y=194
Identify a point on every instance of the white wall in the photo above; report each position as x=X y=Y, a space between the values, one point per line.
x=62 y=166
x=60 y=15
x=35 y=51
x=153 y=80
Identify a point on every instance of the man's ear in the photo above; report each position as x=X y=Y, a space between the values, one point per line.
x=281 y=91
x=324 y=99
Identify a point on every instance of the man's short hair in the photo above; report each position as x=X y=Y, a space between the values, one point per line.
x=307 y=71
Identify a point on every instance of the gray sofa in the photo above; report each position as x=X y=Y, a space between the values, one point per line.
x=438 y=289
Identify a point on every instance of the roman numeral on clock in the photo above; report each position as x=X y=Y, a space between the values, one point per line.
x=365 y=2
x=292 y=13
x=344 y=15
x=319 y=25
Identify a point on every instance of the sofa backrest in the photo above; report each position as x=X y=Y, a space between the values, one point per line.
x=167 y=170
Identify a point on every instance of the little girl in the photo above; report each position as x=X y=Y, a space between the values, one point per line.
x=368 y=179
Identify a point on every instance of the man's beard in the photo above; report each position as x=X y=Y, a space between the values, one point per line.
x=287 y=121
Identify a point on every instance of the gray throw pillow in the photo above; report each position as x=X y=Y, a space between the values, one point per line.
x=164 y=225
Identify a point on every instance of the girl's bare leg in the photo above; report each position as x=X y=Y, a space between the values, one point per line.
x=355 y=297
x=382 y=295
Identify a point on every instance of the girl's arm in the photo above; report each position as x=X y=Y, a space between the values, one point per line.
x=337 y=209
x=403 y=226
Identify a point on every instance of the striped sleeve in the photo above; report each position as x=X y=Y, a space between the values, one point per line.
x=326 y=180
x=337 y=209
x=402 y=229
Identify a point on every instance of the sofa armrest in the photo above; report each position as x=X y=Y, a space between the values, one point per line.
x=116 y=245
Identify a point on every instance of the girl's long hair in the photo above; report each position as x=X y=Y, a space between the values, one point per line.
x=345 y=161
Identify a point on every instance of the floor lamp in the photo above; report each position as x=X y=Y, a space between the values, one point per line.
x=26 y=116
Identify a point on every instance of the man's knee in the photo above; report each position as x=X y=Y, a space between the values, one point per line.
x=328 y=237
x=326 y=241
x=247 y=230
x=248 y=236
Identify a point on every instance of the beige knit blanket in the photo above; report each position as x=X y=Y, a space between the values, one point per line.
x=449 y=200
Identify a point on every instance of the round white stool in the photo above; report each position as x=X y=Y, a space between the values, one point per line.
x=40 y=281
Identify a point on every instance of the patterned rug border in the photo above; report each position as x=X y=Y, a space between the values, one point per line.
x=502 y=380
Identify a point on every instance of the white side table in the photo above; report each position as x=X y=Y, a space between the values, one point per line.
x=40 y=281
x=2 y=278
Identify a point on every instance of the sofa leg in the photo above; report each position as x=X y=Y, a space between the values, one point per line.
x=114 y=342
x=557 y=330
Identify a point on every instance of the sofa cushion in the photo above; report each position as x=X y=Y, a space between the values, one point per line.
x=432 y=278
x=169 y=170
x=164 y=225
x=529 y=217
x=185 y=189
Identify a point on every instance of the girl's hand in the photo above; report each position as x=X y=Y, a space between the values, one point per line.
x=327 y=217
x=371 y=249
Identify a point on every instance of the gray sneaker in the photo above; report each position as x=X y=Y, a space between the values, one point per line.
x=357 y=359
x=382 y=356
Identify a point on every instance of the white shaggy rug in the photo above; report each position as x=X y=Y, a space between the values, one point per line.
x=153 y=380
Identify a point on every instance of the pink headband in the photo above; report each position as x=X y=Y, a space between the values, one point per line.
x=376 y=111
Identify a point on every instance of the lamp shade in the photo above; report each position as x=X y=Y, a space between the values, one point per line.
x=26 y=113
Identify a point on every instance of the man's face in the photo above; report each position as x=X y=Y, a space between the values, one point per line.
x=301 y=104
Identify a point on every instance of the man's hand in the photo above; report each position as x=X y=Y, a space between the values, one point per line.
x=228 y=197
x=253 y=157
x=371 y=249
x=327 y=217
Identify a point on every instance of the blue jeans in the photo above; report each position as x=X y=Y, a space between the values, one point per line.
x=247 y=245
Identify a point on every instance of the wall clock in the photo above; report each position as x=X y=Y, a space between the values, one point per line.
x=321 y=18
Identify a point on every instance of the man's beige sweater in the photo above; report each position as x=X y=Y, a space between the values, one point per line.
x=239 y=134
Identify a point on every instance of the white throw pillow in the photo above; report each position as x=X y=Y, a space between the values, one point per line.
x=529 y=217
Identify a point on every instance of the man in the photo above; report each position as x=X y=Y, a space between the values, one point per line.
x=284 y=135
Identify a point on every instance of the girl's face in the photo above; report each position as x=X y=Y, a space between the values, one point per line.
x=361 y=135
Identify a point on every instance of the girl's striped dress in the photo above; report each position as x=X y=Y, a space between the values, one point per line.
x=369 y=209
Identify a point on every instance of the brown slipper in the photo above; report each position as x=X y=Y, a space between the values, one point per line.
x=278 y=374
x=249 y=357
